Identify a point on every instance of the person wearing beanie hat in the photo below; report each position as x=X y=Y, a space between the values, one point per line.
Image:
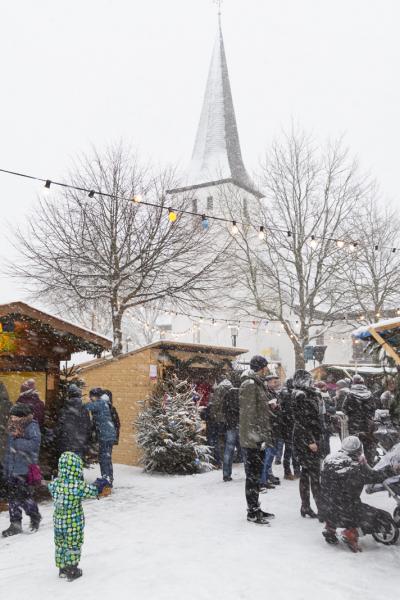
x=343 y=476
x=22 y=451
x=359 y=407
x=100 y=409
x=73 y=429
x=258 y=363
x=307 y=435
x=5 y=407
x=30 y=396
x=255 y=433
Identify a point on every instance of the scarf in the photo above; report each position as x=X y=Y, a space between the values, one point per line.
x=16 y=425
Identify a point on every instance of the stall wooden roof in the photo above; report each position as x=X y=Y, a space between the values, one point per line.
x=170 y=345
x=81 y=339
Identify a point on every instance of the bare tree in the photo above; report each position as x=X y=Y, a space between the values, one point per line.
x=83 y=253
x=292 y=276
x=372 y=271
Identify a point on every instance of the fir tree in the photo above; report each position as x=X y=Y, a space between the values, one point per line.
x=170 y=431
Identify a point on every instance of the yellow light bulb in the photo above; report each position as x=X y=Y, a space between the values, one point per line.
x=172 y=216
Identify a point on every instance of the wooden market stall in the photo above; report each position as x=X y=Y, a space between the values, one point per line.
x=32 y=345
x=131 y=378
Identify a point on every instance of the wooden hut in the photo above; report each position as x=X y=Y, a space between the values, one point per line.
x=132 y=376
x=33 y=343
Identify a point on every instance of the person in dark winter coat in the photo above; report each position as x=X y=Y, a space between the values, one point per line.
x=267 y=478
x=344 y=474
x=101 y=411
x=22 y=451
x=287 y=424
x=255 y=433
x=5 y=407
x=359 y=407
x=114 y=415
x=73 y=429
x=30 y=396
x=307 y=438
x=215 y=419
x=231 y=427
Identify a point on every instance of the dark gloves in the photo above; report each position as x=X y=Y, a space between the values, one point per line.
x=101 y=484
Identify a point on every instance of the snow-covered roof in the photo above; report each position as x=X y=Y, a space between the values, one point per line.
x=217 y=156
x=83 y=339
x=363 y=332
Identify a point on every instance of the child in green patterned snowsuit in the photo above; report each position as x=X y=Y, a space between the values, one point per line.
x=68 y=491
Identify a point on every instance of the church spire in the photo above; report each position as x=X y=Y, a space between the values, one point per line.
x=217 y=156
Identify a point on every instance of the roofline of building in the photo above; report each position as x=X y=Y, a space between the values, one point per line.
x=197 y=186
x=166 y=345
x=23 y=309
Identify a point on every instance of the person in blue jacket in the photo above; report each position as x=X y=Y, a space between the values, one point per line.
x=22 y=451
x=100 y=408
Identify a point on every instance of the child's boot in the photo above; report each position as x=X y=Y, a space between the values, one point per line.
x=73 y=573
x=14 y=529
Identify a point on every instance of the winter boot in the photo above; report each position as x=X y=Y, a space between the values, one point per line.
x=266 y=515
x=257 y=517
x=227 y=478
x=62 y=573
x=274 y=480
x=307 y=511
x=289 y=476
x=350 y=538
x=330 y=536
x=73 y=572
x=14 y=529
x=269 y=486
x=35 y=521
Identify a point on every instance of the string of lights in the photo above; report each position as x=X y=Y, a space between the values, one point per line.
x=174 y=213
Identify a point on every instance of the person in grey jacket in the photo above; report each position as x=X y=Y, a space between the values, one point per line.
x=22 y=451
x=255 y=433
x=101 y=412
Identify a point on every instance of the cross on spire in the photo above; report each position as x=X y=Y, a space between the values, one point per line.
x=219 y=4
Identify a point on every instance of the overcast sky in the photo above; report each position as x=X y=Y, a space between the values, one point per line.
x=82 y=72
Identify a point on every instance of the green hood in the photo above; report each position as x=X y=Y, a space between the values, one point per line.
x=70 y=466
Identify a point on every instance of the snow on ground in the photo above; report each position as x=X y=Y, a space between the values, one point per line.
x=160 y=537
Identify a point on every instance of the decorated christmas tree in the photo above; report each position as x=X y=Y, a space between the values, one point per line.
x=170 y=431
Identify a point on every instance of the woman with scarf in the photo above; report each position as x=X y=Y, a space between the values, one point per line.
x=20 y=459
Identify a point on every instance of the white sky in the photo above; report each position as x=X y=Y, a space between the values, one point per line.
x=76 y=73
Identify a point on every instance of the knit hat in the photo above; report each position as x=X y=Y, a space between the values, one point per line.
x=258 y=362
x=96 y=392
x=302 y=379
x=342 y=383
x=352 y=445
x=357 y=379
x=21 y=410
x=29 y=384
x=74 y=391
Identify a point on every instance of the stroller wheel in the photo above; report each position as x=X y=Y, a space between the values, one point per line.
x=396 y=516
x=388 y=537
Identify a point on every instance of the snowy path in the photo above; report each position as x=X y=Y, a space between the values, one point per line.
x=186 y=537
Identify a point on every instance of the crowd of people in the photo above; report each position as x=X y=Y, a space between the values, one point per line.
x=250 y=418
x=264 y=424
x=21 y=430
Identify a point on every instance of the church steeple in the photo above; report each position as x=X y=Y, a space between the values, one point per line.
x=217 y=157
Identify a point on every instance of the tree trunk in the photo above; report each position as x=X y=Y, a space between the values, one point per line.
x=117 y=333
x=299 y=362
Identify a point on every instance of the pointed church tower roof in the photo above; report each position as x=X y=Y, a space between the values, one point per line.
x=217 y=157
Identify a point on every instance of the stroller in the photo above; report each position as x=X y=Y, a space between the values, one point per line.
x=392 y=486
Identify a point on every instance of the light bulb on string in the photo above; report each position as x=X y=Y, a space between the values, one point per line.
x=340 y=243
x=204 y=222
x=261 y=233
x=172 y=216
x=137 y=198
x=91 y=194
x=234 y=228
x=313 y=242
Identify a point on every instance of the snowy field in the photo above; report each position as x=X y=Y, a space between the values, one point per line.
x=179 y=538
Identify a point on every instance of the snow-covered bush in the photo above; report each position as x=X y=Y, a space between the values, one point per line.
x=170 y=432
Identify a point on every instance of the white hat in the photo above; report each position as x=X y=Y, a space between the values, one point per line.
x=351 y=444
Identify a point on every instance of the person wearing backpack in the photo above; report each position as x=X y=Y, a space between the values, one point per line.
x=114 y=415
x=100 y=408
x=73 y=429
